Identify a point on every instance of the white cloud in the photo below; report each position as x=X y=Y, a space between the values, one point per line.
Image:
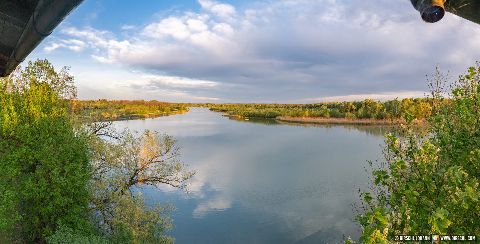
x=95 y=37
x=219 y=9
x=52 y=46
x=71 y=44
x=128 y=27
x=167 y=88
x=196 y=25
x=289 y=50
x=178 y=82
x=216 y=204
x=169 y=27
x=102 y=59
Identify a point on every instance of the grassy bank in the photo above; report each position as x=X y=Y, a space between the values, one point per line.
x=365 y=112
x=103 y=110
x=340 y=121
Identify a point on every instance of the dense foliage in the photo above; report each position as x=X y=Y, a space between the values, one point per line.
x=67 y=182
x=44 y=168
x=103 y=110
x=430 y=185
x=418 y=108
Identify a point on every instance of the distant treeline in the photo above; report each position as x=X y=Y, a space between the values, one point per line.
x=408 y=108
x=418 y=108
x=104 y=110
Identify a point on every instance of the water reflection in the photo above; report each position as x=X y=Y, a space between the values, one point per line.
x=375 y=130
x=265 y=183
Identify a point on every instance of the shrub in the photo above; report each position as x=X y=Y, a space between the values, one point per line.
x=430 y=185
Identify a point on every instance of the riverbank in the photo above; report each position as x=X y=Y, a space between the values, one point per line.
x=103 y=110
x=338 y=121
x=129 y=117
x=325 y=121
x=367 y=112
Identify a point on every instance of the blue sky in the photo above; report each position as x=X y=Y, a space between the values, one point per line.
x=293 y=51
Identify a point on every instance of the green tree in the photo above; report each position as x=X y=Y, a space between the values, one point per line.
x=44 y=168
x=121 y=165
x=430 y=185
x=64 y=180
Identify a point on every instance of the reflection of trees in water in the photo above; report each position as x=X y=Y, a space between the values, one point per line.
x=374 y=130
x=255 y=120
x=381 y=130
x=328 y=235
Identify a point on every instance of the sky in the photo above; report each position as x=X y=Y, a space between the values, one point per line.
x=266 y=51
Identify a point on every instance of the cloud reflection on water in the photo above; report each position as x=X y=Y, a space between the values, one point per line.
x=289 y=183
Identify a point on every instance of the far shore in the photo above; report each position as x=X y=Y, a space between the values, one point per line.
x=132 y=117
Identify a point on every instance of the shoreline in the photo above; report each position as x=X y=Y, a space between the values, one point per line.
x=341 y=121
x=132 y=117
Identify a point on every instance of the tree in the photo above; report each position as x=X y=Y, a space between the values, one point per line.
x=423 y=109
x=430 y=185
x=121 y=165
x=44 y=168
x=65 y=180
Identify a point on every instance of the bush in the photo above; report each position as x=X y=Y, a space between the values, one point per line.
x=66 y=235
x=430 y=185
x=45 y=169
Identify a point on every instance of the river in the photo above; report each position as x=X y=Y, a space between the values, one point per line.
x=260 y=181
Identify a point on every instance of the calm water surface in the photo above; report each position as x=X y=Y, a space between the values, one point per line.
x=263 y=182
